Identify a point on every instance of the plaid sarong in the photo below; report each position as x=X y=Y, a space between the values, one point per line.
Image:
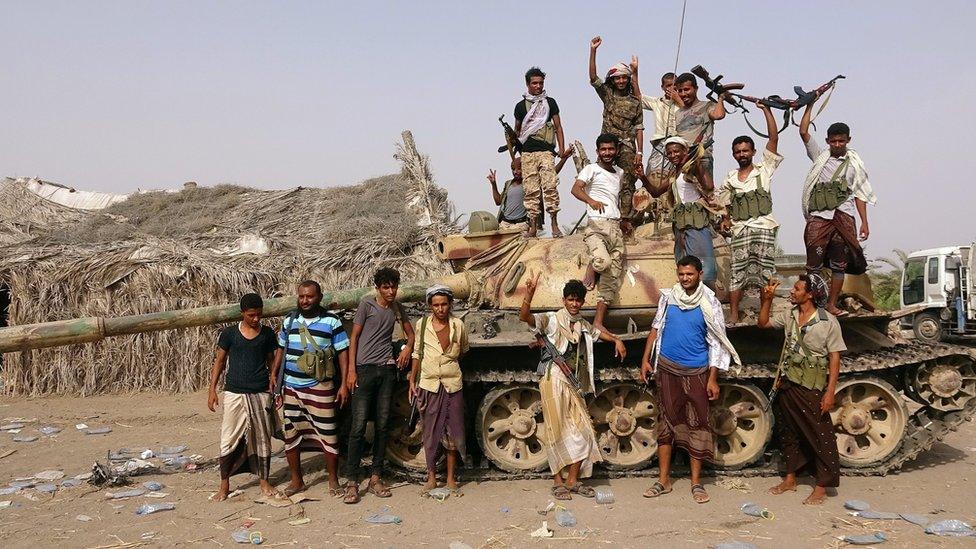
x=569 y=432
x=753 y=258
x=310 y=423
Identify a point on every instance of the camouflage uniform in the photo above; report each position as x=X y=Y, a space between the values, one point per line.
x=622 y=116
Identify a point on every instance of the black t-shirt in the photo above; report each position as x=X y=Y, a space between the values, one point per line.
x=532 y=144
x=247 y=359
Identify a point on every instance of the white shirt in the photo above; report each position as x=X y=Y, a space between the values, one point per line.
x=602 y=186
x=848 y=207
x=665 y=115
x=687 y=191
x=760 y=172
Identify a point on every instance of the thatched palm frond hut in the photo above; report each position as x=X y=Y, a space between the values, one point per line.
x=162 y=251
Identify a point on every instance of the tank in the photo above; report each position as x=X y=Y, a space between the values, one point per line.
x=896 y=397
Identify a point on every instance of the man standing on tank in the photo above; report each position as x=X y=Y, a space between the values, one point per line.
x=806 y=384
x=539 y=130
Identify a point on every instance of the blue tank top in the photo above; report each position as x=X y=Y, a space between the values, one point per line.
x=683 y=341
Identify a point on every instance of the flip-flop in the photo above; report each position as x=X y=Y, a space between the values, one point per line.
x=379 y=490
x=561 y=493
x=351 y=494
x=776 y=490
x=657 y=489
x=697 y=491
x=583 y=490
x=337 y=492
x=289 y=491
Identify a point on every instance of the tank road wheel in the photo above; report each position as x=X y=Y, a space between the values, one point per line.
x=869 y=418
x=743 y=425
x=510 y=428
x=946 y=383
x=405 y=449
x=625 y=418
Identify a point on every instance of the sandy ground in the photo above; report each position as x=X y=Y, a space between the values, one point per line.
x=491 y=514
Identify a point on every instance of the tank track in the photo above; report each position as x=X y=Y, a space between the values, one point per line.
x=926 y=426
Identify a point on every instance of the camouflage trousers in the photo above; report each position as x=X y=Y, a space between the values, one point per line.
x=625 y=161
x=539 y=179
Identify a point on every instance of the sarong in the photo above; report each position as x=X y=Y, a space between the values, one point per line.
x=834 y=240
x=806 y=436
x=310 y=418
x=245 y=435
x=697 y=242
x=753 y=258
x=683 y=397
x=569 y=431
x=443 y=426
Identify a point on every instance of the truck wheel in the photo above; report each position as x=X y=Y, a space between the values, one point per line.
x=927 y=327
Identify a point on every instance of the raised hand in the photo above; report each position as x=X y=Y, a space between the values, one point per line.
x=595 y=42
x=491 y=177
x=769 y=290
x=633 y=63
x=532 y=282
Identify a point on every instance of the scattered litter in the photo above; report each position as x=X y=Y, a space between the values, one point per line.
x=876 y=515
x=11 y=426
x=9 y=490
x=604 y=496
x=952 y=527
x=172 y=450
x=46 y=488
x=754 y=510
x=136 y=467
x=147 y=454
x=152 y=486
x=299 y=522
x=150 y=508
x=14 y=431
x=99 y=431
x=459 y=545
x=101 y=475
x=5 y=504
x=565 y=517
x=549 y=507
x=735 y=544
x=7 y=453
x=542 y=532
x=505 y=509
x=49 y=430
x=439 y=494
x=865 y=539
x=83 y=518
x=22 y=483
x=146 y=536
x=25 y=439
x=300 y=497
x=50 y=475
x=243 y=535
x=273 y=501
x=918 y=520
x=856 y=505
x=159 y=495
x=70 y=483
x=384 y=517
x=125 y=494
x=734 y=484
x=81 y=426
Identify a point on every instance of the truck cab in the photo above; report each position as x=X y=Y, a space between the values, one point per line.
x=937 y=283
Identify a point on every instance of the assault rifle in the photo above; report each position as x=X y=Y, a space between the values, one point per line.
x=512 y=143
x=716 y=88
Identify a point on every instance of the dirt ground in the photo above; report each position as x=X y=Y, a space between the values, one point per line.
x=490 y=514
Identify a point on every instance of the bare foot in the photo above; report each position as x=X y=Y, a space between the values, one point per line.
x=430 y=484
x=836 y=311
x=783 y=487
x=589 y=278
x=452 y=484
x=556 y=232
x=221 y=494
x=531 y=232
x=817 y=497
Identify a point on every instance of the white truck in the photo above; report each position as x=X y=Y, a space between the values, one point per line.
x=937 y=283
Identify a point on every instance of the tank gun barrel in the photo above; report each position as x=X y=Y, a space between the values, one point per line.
x=86 y=330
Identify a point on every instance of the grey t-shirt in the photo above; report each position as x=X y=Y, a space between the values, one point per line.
x=375 y=345
x=514 y=206
x=694 y=121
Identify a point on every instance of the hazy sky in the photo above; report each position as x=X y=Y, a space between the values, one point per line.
x=116 y=96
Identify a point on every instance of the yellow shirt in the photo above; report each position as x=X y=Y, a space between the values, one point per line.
x=441 y=367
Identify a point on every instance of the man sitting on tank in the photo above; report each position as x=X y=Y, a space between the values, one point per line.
x=836 y=188
x=805 y=384
x=511 y=201
x=566 y=373
x=598 y=186
x=684 y=352
x=438 y=393
x=746 y=194
x=691 y=217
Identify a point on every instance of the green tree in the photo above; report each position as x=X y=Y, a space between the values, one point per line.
x=885 y=273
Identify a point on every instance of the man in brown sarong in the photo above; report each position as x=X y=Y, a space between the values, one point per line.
x=806 y=384
x=836 y=189
x=441 y=341
x=688 y=346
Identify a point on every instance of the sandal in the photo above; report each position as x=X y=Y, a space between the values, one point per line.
x=351 y=494
x=561 y=493
x=657 y=489
x=289 y=491
x=583 y=490
x=337 y=492
x=699 y=494
x=379 y=490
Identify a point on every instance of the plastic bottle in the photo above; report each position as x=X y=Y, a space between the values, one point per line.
x=604 y=496
x=565 y=517
x=150 y=508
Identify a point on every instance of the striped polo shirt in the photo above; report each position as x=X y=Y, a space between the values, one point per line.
x=325 y=329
